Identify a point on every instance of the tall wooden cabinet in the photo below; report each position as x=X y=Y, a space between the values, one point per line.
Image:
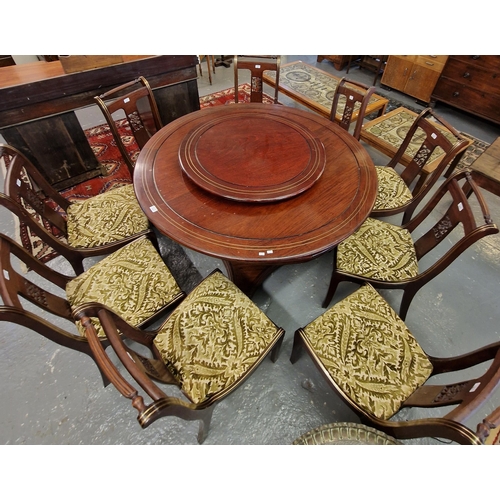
x=414 y=75
x=472 y=84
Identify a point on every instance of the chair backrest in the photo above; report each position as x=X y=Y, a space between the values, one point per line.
x=26 y=186
x=134 y=102
x=454 y=197
x=435 y=138
x=256 y=65
x=46 y=291
x=45 y=235
x=350 y=97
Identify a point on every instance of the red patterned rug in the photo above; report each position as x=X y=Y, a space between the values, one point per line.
x=117 y=174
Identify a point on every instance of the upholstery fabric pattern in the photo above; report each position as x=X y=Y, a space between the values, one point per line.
x=369 y=352
x=133 y=281
x=214 y=338
x=107 y=217
x=378 y=250
x=392 y=190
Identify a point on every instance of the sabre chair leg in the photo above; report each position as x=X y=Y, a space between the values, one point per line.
x=408 y=295
x=204 y=427
x=297 y=348
x=276 y=349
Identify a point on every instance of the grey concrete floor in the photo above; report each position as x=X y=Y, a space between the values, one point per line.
x=52 y=395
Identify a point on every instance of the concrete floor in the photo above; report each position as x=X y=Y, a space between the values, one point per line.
x=52 y=395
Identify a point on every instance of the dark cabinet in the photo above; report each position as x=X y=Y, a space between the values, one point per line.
x=472 y=84
x=38 y=100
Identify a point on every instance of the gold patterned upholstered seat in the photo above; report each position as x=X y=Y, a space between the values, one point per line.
x=207 y=347
x=214 y=338
x=392 y=191
x=372 y=360
x=390 y=256
x=108 y=217
x=133 y=281
x=379 y=250
x=369 y=352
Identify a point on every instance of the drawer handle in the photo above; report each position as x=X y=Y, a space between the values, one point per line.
x=466 y=75
x=429 y=63
x=456 y=94
x=476 y=57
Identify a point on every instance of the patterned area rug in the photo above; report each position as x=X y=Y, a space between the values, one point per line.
x=227 y=96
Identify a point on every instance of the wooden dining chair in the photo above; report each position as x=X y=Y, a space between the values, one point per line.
x=375 y=364
x=133 y=280
x=401 y=193
x=135 y=102
x=210 y=344
x=256 y=65
x=389 y=257
x=96 y=226
x=350 y=98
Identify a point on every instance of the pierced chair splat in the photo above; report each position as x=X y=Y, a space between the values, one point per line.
x=388 y=256
x=256 y=65
x=350 y=97
x=402 y=192
x=208 y=347
x=138 y=106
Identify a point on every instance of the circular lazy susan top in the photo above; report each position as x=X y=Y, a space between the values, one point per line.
x=249 y=166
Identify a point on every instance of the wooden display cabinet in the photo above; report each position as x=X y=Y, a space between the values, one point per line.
x=414 y=75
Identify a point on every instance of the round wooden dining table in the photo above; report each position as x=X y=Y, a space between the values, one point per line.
x=255 y=185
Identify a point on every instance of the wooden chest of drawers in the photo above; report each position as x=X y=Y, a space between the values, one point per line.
x=472 y=84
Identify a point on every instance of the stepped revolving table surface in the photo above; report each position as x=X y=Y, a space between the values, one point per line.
x=256 y=185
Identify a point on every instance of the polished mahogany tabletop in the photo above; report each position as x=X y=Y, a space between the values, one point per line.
x=256 y=185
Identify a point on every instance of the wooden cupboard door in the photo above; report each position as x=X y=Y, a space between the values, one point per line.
x=421 y=82
x=397 y=71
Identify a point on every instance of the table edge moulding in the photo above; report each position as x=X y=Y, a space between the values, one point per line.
x=254 y=238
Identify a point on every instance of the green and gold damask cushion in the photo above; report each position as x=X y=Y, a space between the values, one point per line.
x=392 y=190
x=216 y=336
x=369 y=352
x=378 y=250
x=133 y=281
x=105 y=218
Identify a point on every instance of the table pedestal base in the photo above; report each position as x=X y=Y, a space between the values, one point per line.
x=248 y=277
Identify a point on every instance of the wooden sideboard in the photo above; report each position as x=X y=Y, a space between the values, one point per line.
x=472 y=84
x=414 y=75
x=38 y=100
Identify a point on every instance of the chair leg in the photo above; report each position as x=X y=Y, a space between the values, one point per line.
x=277 y=347
x=334 y=282
x=408 y=295
x=205 y=420
x=209 y=71
x=297 y=348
